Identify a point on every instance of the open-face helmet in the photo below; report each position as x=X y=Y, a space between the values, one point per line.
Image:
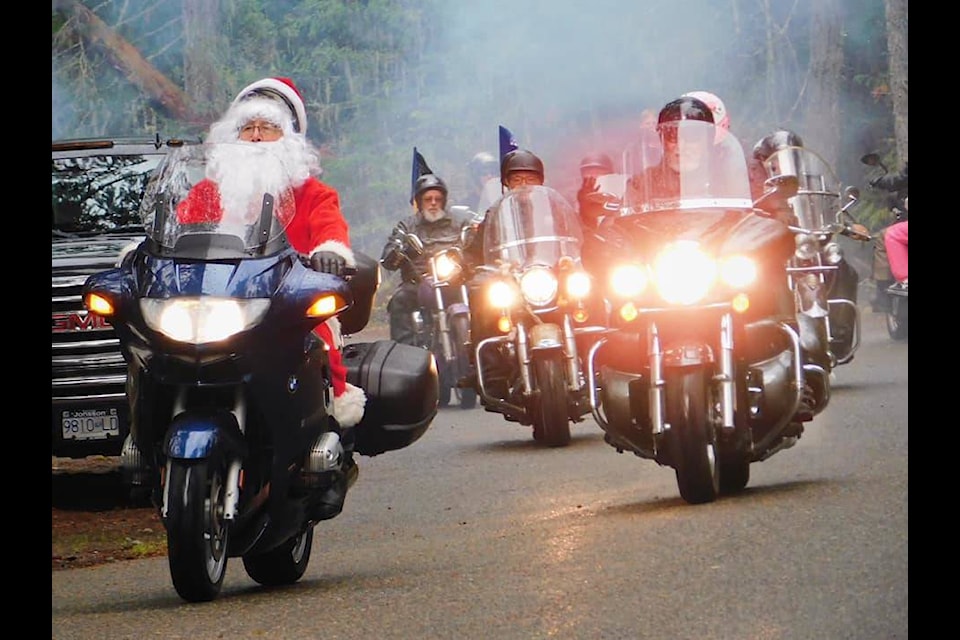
x=520 y=160
x=482 y=164
x=425 y=183
x=596 y=160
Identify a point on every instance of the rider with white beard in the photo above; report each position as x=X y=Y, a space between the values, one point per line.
x=439 y=229
x=268 y=119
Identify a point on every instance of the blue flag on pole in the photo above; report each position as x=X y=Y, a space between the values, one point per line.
x=508 y=142
x=419 y=168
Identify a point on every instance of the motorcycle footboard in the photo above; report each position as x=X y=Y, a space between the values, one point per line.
x=402 y=388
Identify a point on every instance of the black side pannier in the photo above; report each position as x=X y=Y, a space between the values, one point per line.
x=402 y=390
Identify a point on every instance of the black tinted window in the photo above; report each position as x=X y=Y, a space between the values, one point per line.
x=99 y=193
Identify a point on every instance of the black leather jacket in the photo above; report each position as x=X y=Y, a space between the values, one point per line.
x=436 y=236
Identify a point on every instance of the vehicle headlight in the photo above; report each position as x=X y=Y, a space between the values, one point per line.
x=447 y=265
x=502 y=294
x=833 y=254
x=629 y=280
x=538 y=285
x=807 y=247
x=684 y=273
x=578 y=284
x=738 y=271
x=199 y=320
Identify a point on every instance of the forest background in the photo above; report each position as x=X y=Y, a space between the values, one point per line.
x=380 y=77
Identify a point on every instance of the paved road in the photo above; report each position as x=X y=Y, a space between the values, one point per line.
x=474 y=532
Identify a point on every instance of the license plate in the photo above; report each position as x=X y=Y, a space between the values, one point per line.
x=91 y=424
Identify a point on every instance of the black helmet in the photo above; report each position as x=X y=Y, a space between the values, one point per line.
x=482 y=164
x=520 y=160
x=685 y=108
x=775 y=141
x=427 y=182
x=597 y=161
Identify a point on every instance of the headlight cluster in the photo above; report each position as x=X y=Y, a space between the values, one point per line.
x=541 y=286
x=683 y=274
x=198 y=320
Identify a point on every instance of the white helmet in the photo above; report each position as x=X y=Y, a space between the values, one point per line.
x=721 y=119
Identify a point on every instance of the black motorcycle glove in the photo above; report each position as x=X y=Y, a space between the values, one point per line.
x=328 y=262
x=392 y=255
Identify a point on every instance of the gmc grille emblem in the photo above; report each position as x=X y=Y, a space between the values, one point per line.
x=78 y=321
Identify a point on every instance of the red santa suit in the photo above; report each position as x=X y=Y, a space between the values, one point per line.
x=317 y=224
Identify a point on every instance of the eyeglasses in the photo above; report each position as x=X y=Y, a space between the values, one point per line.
x=267 y=129
x=432 y=199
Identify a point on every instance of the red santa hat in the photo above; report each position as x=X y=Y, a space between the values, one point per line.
x=282 y=90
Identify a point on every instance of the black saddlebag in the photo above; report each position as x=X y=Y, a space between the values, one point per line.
x=402 y=390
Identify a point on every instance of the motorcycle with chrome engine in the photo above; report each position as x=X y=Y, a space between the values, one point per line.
x=442 y=322
x=532 y=310
x=701 y=367
x=233 y=432
x=823 y=281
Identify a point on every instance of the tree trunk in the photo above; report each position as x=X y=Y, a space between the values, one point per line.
x=896 y=14
x=167 y=96
x=822 y=130
x=200 y=77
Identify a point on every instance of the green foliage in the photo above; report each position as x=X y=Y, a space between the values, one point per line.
x=382 y=76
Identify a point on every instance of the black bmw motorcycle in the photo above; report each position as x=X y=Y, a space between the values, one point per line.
x=230 y=390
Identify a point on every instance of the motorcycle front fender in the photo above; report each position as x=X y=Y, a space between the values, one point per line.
x=198 y=435
x=457 y=308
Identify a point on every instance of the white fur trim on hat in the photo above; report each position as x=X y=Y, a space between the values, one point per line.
x=283 y=90
x=338 y=248
x=240 y=113
x=348 y=407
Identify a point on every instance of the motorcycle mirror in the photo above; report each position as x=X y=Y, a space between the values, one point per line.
x=851 y=193
x=415 y=242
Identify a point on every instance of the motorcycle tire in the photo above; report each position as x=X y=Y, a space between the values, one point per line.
x=281 y=565
x=897 y=318
x=197 y=535
x=460 y=331
x=551 y=426
x=694 y=442
x=734 y=472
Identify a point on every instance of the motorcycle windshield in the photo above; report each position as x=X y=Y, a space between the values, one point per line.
x=818 y=195
x=219 y=200
x=693 y=171
x=532 y=224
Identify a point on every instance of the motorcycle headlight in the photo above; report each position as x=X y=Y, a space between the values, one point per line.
x=578 y=285
x=502 y=294
x=832 y=253
x=684 y=273
x=629 y=280
x=807 y=247
x=738 y=271
x=204 y=319
x=538 y=286
x=447 y=265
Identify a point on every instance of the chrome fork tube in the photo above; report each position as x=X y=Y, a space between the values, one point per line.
x=726 y=377
x=657 y=383
x=570 y=349
x=523 y=358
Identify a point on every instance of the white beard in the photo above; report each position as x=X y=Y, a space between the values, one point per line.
x=433 y=216
x=244 y=171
